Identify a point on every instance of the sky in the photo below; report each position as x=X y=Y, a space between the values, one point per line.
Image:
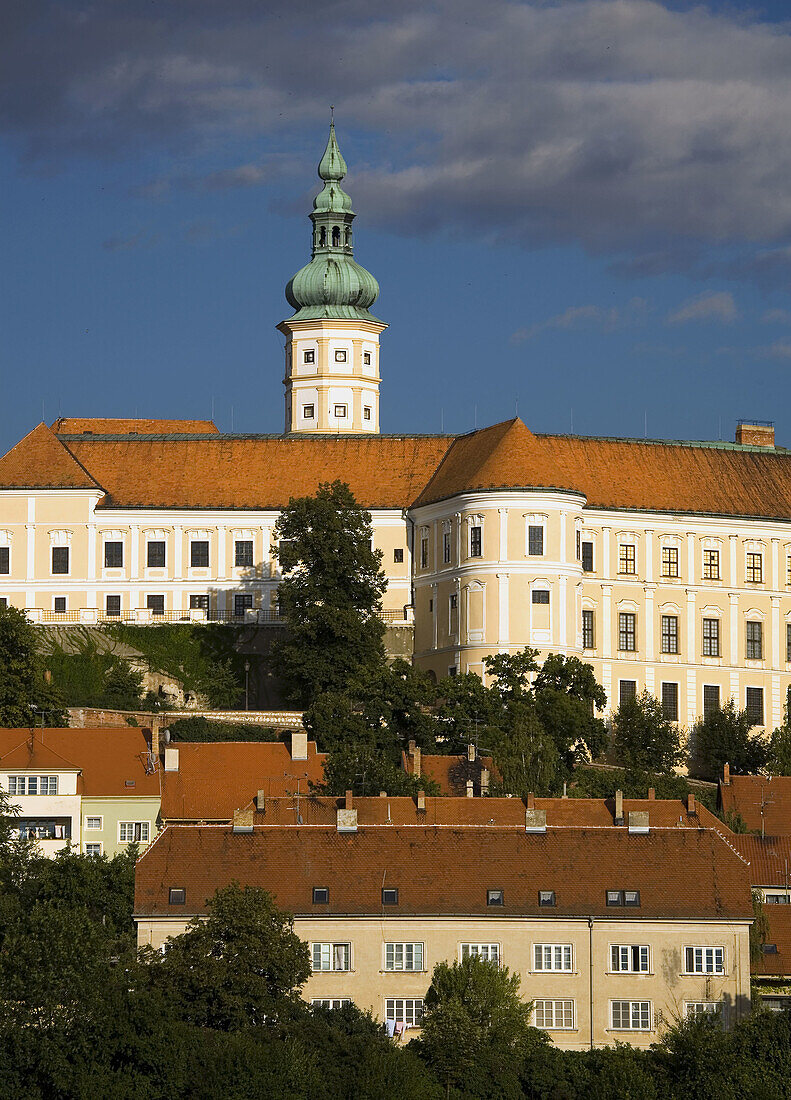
x=578 y=211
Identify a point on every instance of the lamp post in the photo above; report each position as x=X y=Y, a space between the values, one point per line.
x=247 y=684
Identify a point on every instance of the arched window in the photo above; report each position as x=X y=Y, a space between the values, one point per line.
x=336 y=236
x=347 y=237
x=322 y=237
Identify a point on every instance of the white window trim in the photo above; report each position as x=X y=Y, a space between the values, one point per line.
x=94 y=828
x=332 y=945
x=403 y=944
x=477 y=953
x=133 y=823
x=630 y=1002
x=94 y=844
x=395 y=1001
x=630 y=947
x=552 y=969
x=705 y=973
x=553 y=1001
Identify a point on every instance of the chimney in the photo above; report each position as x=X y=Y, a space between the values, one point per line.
x=299 y=746
x=652 y=793
x=471 y=752
x=619 y=807
x=383 y=794
x=638 y=821
x=726 y=776
x=346 y=819
x=755 y=433
x=470 y=790
x=153 y=736
x=171 y=759
x=535 y=821
x=421 y=801
x=691 y=809
x=260 y=801
x=414 y=752
x=349 y=800
x=243 y=820
x=484 y=782
x=531 y=801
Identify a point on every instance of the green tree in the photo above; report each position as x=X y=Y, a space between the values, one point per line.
x=240 y=967
x=330 y=595
x=642 y=736
x=123 y=686
x=526 y=759
x=567 y=696
x=26 y=698
x=723 y=737
x=476 y=1028
x=779 y=753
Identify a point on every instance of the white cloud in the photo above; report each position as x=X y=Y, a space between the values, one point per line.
x=716 y=306
x=587 y=315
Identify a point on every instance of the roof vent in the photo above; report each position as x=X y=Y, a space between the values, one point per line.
x=638 y=821
x=299 y=746
x=535 y=821
x=755 y=433
x=171 y=759
x=243 y=820
x=421 y=800
x=346 y=821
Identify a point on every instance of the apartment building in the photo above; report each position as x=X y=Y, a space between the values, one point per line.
x=94 y=790
x=613 y=931
x=665 y=564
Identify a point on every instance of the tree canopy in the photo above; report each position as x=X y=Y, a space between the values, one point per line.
x=643 y=738
x=723 y=737
x=26 y=698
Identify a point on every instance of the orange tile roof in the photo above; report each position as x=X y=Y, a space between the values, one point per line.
x=233 y=472
x=110 y=760
x=619 y=473
x=71 y=425
x=450 y=772
x=682 y=874
x=216 y=778
x=749 y=795
x=40 y=461
x=776 y=964
x=769 y=857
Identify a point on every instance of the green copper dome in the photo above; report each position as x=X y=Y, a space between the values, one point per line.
x=332 y=284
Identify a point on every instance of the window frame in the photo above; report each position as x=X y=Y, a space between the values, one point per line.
x=237 y=543
x=117 y=552
x=311 y=414
x=489 y=952
x=553 y=952
x=476 y=540
x=670 y=712
x=535 y=540
x=410 y=1009
x=150 y=544
x=711 y=564
x=317 y=892
x=145 y=826
x=627 y=559
x=753 y=640
x=333 y=952
x=389 y=895
x=754 y=567
x=542 y=592
x=94 y=844
x=177 y=895
x=707 y=708
x=344 y=405
x=391 y=951
x=93 y=828
x=670 y=562
x=669 y=636
x=627 y=631
x=547 y=899
x=755 y=712
x=630 y=1025
x=540 y=1012
x=63 y=556
x=495 y=897
x=588 y=628
x=588 y=557
x=5 y=560
x=626 y=695
x=632 y=952
x=711 y=638
x=690 y=952
x=194 y=552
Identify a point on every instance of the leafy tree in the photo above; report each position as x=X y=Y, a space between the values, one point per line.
x=512 y=672
x=567 y=696
x=330 y=595
x=209 y=729
x=367 y=770
x=723 y=737
x=24 y=692
x=240 y=967
x=526 y=759
x=642 y=736
x=759 y=929
x=123 y=687
x=779 y=755
x=476 y=1029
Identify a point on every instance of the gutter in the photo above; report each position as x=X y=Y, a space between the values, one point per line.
x=590 y=959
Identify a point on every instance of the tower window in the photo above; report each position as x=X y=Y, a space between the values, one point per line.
x=347 y=236
x=322 y=237
x=366 y=358
x=340 y=355
x=309 y=356
x=366 y=413
x=339 y=411
x=336 y=236
x=308 y=412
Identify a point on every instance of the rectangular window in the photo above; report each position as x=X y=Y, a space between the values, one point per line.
x=631 y=1015
x=546 y=899
x=453 y=602
x=554 y=1015
x=495 y=897
x=156 y=604
x=366 y=412
x=339 y=412
x=776 y=899
x=755 y=705
x=199 y=602
x=535 y=541
x=33 y=784
x=243 y=552
x=627 y=624
x=754 y=648
x=475 y=542
x=711 y=565
x=552 y=956
x=629 y=898
x=627 y=690
x=579 y=545
x=488 y=951
x=711 y=699
x=366 y=358
x=632 y=958
x=309 y=356
x=5 y=559
x=112 y=606
x=308 y=412
x=177 y=895
x=93 y=823
x=330 y=1002
x=669 y=561
x=788 y=643
x=404 y=1010
x=155 y=554
x=626 y=558
x=540 y=595
x=242 y=603
x=133 y=831
x=588 y=631
x=755 y=568
x=390 y=895
x=704 y=960
x=59 y=604
x=587 y=557
x=446 y=546
x=93 y=849
x=321 y=895
x=3 y=601
x=340 y=356
x=711 y=637
x=113 y=555
x=60 y=559
x=403 y=956
x=670 y=702
x=398 y=555
x=701 y=1008
x=199 y=554
x=331 y=956
x=424 y=552
x=669 y=634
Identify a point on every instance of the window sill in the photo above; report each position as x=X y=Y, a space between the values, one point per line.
x=408 y=973
x=754 y=662
x=702 y=974
x=629 y=1030
x=630 y=973
x=563 y=973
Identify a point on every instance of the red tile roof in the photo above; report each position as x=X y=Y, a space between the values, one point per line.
x=70 y=425
x=40 y=461
x=216 y=778
x=769 y=857
x=451 y=772
x=749 y=795
x=110 y=760
x=682 y=874
x=776 y=964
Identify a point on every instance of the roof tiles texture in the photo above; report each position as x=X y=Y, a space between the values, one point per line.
x=113 y=762
x=769 y=858
x=40 y=461
x=680 y=873
x=776 y=964
x=70 y=425
x=763 y=802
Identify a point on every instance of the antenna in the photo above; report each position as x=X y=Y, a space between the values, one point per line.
x=645 y=423
x=442 y=420
x=572 y=420
x=516 y=404
x=476 y=417
x=231 y=418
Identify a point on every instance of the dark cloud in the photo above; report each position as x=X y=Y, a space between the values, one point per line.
x=644 y=132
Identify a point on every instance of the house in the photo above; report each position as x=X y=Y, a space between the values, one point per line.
x=763 y=802
x=613 y=931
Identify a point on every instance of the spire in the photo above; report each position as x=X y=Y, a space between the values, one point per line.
x=332 y=284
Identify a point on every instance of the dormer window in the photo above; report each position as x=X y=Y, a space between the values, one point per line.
x=546 y=899
x=629 y=898
x=390 y=895
x=177 y=895
x=495 y=897
x=321 y=895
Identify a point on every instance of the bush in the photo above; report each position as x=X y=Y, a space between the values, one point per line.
x=207 y=729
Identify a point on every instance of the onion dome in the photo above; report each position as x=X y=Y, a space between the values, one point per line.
x=332 y=284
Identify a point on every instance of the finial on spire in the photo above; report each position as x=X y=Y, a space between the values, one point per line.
x=332 y=115
x=332 y=166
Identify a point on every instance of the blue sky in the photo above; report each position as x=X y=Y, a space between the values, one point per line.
x=580 y=208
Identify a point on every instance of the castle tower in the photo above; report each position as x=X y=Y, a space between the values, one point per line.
x=332 y=340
